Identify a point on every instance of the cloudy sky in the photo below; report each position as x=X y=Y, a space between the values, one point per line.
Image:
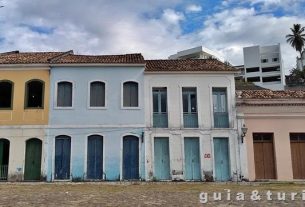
x=156 y=28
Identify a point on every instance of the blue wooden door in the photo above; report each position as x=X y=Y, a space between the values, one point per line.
x=62 y=157
x=192 y=158
x=161 y=158
x=130 y=158
x=95 y=157
x=221 y=159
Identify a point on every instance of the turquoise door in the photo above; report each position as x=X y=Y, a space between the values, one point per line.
x=192 y=158
x=162 y=167
x=221 y=159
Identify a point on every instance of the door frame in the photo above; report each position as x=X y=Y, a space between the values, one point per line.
x=86 y=155
x=183 y=154
x=274 y=155
x=121 y=154
x=229 y=154
x=168 y=136
x=41 y=159
x=71 y=160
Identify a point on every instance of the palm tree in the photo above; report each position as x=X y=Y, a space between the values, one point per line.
x=297 y=39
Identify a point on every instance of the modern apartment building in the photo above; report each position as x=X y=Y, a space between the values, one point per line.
x=263 y=66
x=199 y=52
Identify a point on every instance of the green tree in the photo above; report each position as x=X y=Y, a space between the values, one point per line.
x=297 y=39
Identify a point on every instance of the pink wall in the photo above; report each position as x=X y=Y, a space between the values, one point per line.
x=281 y=127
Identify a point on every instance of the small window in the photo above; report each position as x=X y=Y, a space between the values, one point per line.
x=130 y=94
x=64 y=94
x=97 y=94
x=272 y=79
x=6 y=94
x=275 y=59
x=265 y=60
x=34 y=94
x=254 y=79
x=252 y=70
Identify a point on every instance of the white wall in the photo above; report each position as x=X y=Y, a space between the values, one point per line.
x=176 y=133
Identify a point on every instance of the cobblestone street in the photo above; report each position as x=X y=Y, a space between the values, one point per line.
x=141 y=194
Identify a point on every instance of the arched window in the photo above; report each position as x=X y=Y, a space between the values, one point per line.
x=64 y=94
x=6 y=94
x=130 y=94
x=97 y=94
x=34 y=94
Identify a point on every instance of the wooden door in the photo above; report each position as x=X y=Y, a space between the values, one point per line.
x=161 y=158
x=62 y=157
x=95 y=157
x=297 y=145
x=192 y=158
x=264 y=156
x=222 y=159
x=32 y=170
x=130 y=158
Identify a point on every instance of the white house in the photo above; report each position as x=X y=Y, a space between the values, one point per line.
x=190 y=115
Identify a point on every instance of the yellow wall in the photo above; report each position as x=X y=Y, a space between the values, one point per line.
x=19 y=115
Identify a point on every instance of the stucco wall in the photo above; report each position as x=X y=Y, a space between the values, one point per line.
x=204 y=84
x=281 y=124
x=113 y=122
x=18 y=137
x=19 y=115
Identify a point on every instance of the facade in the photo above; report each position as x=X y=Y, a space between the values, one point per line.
x=190 y=118
x=96 y=121
x=273 y=146
x=24 y=111
x=300 y=61
x=263 y=66
x=197 y=53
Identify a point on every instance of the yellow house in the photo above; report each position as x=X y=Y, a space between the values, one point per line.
x=24 y=108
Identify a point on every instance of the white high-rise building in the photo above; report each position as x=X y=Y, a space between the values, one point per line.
x=263 y=66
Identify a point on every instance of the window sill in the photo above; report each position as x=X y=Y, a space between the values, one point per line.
x=6 y=109
x=63 y=108
x=97 y=108
x=131 y=108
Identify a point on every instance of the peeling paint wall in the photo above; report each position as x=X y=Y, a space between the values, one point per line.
x=113 y=122
x=176 y=132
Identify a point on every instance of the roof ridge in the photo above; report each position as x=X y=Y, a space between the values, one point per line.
x=57 y=57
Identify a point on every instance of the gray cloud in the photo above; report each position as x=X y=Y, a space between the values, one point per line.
x=153 y=28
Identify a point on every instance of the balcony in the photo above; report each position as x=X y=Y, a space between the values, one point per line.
x=221 y=120
x=160 y=120
x=190 y=120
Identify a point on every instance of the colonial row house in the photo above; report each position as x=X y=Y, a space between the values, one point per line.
x=120 y=117
x=273 y=147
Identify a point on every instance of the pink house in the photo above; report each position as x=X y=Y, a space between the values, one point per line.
x=273 y=147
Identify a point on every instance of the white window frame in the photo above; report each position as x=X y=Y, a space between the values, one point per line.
x=89 y=95
x=122 y=96
x=56 y=91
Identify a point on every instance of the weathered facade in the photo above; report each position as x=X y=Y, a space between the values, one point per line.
x=24 y=111
x=273 y=145
x=190 y=119
x=96 y=121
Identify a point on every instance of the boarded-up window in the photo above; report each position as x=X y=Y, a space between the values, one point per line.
x=34 y=94
x=130 y=94
x=64 y=94
x=97 y=94
x=6 y=94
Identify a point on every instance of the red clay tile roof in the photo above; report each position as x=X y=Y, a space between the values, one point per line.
x=46 y=57
x=104 y=59
x=27 y=57
x=268 y=94
x=184 y=65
